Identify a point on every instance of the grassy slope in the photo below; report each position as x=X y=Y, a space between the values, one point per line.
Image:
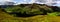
x=53 y=19
x=4 y=17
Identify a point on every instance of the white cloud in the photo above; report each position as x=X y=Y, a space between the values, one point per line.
x=2 y=1
x=25 y=1
x=5 y=0
x=48 y=2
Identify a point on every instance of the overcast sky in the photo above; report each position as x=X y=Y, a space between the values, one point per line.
x=32 y=1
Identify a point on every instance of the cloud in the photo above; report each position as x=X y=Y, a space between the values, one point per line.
x=48 y=2
x=57 y=3
x=25 y=1
x=5 y=0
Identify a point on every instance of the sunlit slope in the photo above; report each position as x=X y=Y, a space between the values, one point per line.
x=53 y=18
x=4 y=17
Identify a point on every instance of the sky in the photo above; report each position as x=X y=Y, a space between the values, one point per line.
x=34 y=1
x=18 y=1
x=5 y=0
x=23 y=1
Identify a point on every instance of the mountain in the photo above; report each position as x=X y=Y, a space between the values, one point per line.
x=24 y=10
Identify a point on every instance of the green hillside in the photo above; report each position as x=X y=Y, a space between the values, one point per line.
x=30 y=13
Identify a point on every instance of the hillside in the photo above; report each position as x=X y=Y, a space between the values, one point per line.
x=30 y=13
